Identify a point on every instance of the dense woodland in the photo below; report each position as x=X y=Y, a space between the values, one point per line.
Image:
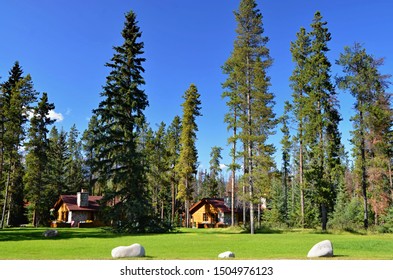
x=153 y=174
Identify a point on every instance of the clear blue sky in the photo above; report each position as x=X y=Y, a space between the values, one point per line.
x=64 y=45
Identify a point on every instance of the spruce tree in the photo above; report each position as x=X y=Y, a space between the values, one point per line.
x=300 y=77
x=321 y=131
x=58 y=155
x=18 y=95
x=120 y=119
x=74 y=175
x=315 y=108
x=90 y=152
x=187 y=164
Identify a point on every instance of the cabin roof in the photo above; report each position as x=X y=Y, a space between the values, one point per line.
x=217 y=203
x=72 y=205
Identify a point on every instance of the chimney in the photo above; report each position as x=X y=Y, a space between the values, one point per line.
x=82 y=198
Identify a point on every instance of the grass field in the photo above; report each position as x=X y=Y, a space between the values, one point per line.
x=187 y=244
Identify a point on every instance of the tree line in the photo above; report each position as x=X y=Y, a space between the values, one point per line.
x=149 y=177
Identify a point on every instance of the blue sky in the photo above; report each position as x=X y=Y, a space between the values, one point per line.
x=64 y=45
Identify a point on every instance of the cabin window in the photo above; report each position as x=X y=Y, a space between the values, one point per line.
x=205 y=217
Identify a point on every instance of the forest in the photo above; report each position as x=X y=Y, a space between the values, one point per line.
x=153 y=174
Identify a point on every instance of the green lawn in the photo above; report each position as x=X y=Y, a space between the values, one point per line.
x=29 y=244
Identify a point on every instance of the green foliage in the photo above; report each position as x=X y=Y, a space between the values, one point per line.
x=371 y=137
x=120 y=119
x=186 y=166
x=348 y=216
x=250 y=102
x=315 y=110
x=39 y=195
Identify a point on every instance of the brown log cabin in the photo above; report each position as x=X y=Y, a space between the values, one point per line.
x=211 y=212
x=80 y=210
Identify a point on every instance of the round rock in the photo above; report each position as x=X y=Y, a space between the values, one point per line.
x=133 y=251
x=321 y=249
x=227 y=254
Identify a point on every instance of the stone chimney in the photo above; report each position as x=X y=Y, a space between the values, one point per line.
x=82 y=198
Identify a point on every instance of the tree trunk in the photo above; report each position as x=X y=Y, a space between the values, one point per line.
x=363 y=168
x=173 y=203
x=324 y=216
x=5 y=199
x=301 y=183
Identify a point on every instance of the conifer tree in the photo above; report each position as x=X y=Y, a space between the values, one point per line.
x=213 y=179
x=187 y=165
x=18 y=94
x=250 y=100
x=74 y=175
x=371 y=137
x=315 y=108
x=321 y=130
x=58 y=154
x=120 y=120
x=300 y=50
x=90 y=151
x=286 y=161
x=37 y=148
x=173 y=146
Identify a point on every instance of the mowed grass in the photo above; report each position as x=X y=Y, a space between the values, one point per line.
x=188 y=244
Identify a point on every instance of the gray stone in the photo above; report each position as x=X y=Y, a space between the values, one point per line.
x=321 y=249
x=133 y=251
x=50 y=233
x=227 y=254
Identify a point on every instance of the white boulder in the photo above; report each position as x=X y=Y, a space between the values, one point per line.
x=135 y=250
x=227 y=254
x=321 y=249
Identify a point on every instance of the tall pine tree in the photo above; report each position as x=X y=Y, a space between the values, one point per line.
x=371 y=137
x=37 y=147
x=187 y=165
x=250 y=102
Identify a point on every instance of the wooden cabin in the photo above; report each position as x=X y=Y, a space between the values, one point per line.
x=80 y=210
x=211 y=212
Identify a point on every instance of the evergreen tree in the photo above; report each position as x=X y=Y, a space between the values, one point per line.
x=286 y=162
x=321 y=130
x=215 y=169
x=300 y=50
x=37 y=147
x=74 y=175
x=173 y=147
x=187 y=165
x=90 y=152
x=18 y=94
x=159 y=175
x=250 y=101
x=120 y=120
x=57 y=156
x=372 y=123
x=315 y=108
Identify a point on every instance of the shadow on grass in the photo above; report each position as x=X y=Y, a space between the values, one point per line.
x=29 y=233
x=20 y=234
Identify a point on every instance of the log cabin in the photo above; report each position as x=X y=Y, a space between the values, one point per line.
x=80 y=210
x=211 y=212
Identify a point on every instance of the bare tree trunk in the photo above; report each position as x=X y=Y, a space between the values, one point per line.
x=363 y=169
x=173 y=204
x=301 y=183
